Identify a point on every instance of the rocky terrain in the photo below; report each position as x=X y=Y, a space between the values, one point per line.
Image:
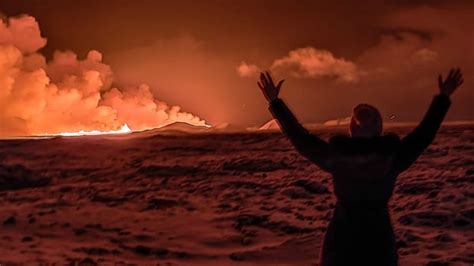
x=213 y=199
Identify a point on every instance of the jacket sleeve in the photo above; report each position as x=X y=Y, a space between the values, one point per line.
x=421 y=137
x=307 y=144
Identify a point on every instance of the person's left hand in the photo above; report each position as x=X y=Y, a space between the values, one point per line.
x=268 y=87
x=451 y=83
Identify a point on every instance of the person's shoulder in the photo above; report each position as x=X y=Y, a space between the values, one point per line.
x=342 y=138
x=381 y=144
x=391 y=137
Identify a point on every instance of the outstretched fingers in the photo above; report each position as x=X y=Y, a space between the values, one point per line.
x=459 y=80
x=263 y=80
x=269 y=78
x=457 y=77
x=452 y=81
x=457 y=74
x=280 y=83
x=266 y=80
x=450 y=75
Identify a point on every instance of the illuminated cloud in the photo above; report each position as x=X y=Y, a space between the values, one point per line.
x=310 y=62
x=425 y=55
x=248 y=70
x=22 y=32
x=68 y=94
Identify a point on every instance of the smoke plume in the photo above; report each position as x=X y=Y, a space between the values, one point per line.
x=68 y=94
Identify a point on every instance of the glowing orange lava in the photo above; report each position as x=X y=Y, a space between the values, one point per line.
x=123 y=130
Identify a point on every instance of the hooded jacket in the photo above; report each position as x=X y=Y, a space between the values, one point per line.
x=364 y=171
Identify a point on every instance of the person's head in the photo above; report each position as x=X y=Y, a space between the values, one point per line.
x=366 y=121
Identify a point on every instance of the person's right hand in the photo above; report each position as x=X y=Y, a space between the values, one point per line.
x=268 y=87
x=451 y=83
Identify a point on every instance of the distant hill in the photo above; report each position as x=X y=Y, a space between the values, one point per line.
x=183 y=127
x=227 y=127
x=173 y=128
x=270 y=125
x=338 y=122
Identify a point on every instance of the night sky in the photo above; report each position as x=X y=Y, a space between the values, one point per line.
x=333 y=54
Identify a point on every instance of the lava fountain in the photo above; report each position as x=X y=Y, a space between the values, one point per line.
x=123 y=130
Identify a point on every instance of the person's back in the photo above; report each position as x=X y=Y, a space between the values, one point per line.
x=364 y=179
x=364 y=167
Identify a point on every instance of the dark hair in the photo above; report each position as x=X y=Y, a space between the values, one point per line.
x=366 y=121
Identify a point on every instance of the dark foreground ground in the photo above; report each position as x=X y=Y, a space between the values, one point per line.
x=225 y=199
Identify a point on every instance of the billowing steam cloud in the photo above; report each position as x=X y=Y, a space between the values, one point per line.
x=68 y=94
x=310 y=62
x=405 y=51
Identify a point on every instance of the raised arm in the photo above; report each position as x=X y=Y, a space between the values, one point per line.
x=307 y=144
x=421 y=137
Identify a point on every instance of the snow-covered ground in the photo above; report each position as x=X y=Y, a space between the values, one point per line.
x=213 y=199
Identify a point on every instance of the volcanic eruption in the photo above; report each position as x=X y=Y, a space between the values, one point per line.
x=69 y=95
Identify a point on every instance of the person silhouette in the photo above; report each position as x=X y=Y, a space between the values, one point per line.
x=364 y=168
